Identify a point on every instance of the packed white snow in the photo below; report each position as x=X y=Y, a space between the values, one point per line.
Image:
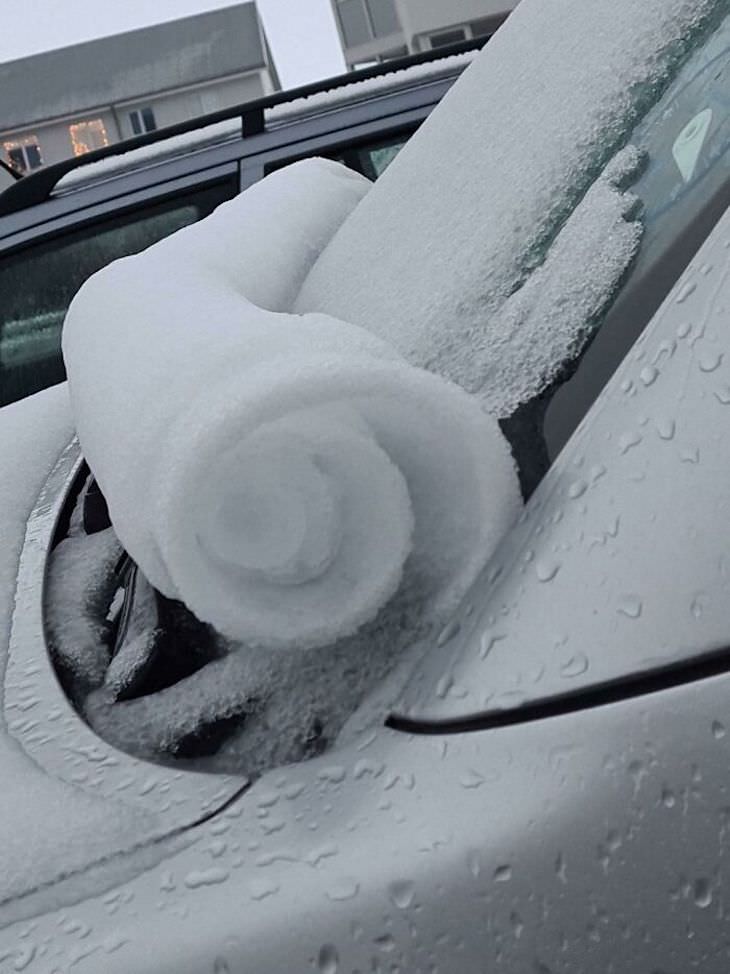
x=550 y=316
x=435 y=255
x=283 y=475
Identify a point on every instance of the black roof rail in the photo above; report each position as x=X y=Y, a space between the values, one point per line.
x=38 y=186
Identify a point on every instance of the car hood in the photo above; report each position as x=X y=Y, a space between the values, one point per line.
x=68 y=801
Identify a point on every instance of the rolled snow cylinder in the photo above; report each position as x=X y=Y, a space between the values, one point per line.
x=283 y=475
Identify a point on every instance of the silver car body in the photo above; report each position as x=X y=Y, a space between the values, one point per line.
x=502 y=821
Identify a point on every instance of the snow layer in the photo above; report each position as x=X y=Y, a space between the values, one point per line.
x=548 y=319
x=78 y=588
x=435 y=274
x=283 y=475
x=48 y=828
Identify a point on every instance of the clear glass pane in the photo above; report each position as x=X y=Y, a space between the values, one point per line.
x=384 y=17
x=33 y=154
x=148 y=118
x=372 y=160
x=38 y=283
x=382 y=157
x=354 y=22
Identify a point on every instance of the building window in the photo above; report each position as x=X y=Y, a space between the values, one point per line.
x=87 y=136
x=485 y=27
x=142 y=120
x=384 y=17
x=23 y=154
x=447 y=37
x=364 y=20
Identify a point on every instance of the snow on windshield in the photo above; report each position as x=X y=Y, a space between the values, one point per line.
x=435 y=256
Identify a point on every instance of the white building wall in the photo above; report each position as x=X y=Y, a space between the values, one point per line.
x=428 y=16
x=419 y=19
x=179 y=106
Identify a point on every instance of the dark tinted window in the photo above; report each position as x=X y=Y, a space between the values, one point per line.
x=369 y=158
x=485 y=26
x=450 y=37
x=373 y=159
x=38 y=283
x=148 y=118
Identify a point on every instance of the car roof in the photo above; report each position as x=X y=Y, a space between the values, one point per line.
x=237 y=122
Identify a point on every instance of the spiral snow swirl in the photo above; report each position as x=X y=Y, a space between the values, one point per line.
x=283 y=475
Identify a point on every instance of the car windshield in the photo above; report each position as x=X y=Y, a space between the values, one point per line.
x=683 y=189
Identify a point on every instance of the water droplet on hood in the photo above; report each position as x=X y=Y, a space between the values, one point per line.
x=702 y=893
x=343 y=889
x=666 y=428
x=685 y=291
x=547 y=570
x=630 y=606
x=575 y=666
x=628 y=440
x=328 y=961
x=709 y=361
x=402 y=893
x=448 y=633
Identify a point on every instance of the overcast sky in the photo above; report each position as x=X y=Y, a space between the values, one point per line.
x=301 y=33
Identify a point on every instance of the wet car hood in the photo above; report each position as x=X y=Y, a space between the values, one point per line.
x=620 y=564
x=68 y=800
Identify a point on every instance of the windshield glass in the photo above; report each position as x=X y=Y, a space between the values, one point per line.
x=684 y=189
x=627 y=521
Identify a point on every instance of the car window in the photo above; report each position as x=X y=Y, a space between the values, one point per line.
x=684 y=189
x=38 y=283
x=372 y=160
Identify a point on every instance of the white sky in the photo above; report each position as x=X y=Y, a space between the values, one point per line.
x=301 y=33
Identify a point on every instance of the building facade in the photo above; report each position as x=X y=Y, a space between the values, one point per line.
x=72 y=100
x=376 y=30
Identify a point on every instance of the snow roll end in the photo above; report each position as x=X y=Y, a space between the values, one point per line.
x=291 y=511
